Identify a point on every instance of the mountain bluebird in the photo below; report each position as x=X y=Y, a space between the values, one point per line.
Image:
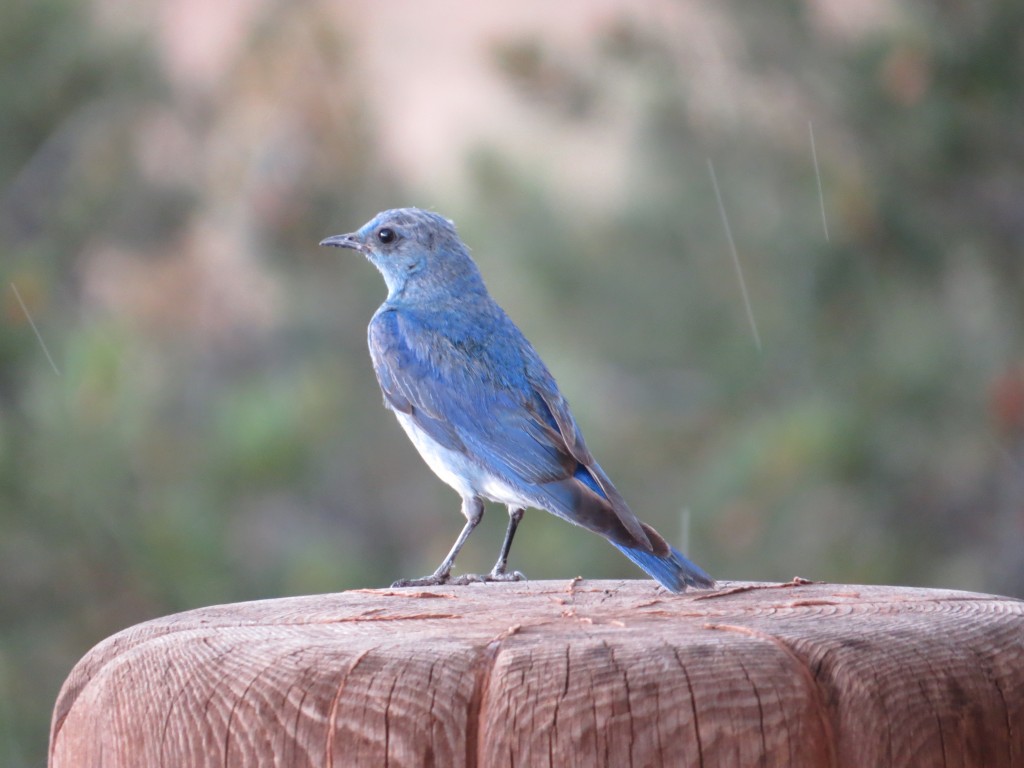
x=477 y=402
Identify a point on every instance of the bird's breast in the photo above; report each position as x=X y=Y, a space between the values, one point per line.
x=457 y=470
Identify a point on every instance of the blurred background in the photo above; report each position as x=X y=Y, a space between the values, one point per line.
x=188 y=414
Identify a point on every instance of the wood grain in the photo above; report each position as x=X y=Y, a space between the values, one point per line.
x=559 y=674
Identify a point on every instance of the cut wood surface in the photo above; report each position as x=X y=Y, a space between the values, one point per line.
x=559 y=673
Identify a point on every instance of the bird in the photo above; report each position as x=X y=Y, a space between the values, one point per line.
x=480 y=406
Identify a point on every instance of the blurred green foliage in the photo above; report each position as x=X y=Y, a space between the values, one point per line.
x=213 y=431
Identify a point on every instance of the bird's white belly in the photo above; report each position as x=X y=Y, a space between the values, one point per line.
x=457 y=470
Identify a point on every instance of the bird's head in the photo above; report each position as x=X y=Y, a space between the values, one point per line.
x=418 y=252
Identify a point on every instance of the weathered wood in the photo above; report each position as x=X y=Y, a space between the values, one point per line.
x=559 y=673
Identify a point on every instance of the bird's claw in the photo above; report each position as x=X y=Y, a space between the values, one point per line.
x=434 y=580
x=480 y=578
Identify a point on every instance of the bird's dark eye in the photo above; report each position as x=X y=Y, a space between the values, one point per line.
x=386 y=235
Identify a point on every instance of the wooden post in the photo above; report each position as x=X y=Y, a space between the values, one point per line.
x=549 y=673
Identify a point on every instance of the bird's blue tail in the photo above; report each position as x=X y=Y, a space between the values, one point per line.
x=674 y=572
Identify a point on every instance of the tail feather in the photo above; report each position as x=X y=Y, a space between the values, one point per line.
x=673 y=571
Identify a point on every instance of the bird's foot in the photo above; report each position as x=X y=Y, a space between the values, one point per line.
x=478 y=578
x=433 y=580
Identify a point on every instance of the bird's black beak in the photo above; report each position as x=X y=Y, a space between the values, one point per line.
x=344 y=241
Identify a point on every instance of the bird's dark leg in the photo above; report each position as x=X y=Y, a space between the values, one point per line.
x=473 y=509
x=498 y=572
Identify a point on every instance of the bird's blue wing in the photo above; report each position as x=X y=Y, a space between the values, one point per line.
x=410 y=382
x=464 y=404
